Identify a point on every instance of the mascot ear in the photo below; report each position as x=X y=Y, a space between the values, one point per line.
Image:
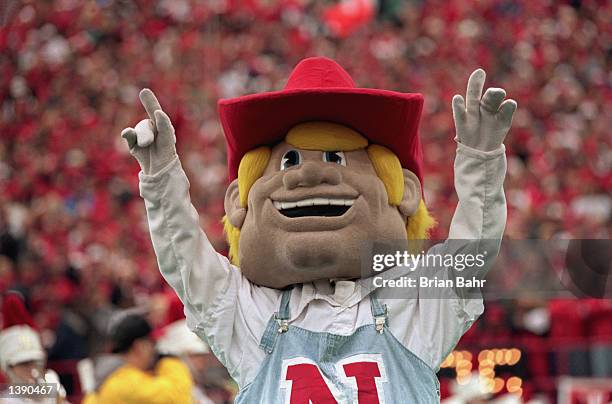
x=233 y=210
x=412 y=194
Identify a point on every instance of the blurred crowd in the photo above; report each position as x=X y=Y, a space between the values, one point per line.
x=73 y=231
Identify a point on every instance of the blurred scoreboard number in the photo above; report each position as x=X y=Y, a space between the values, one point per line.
x=462 y=362
x=584 y=391
x=570 y=390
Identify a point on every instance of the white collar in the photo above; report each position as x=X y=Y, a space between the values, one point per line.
x=341 y=294
x=338 y=293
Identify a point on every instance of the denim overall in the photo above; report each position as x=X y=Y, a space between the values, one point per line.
x=404 y=378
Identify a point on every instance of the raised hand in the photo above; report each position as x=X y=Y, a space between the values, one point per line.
x=482 y=123
x=151 y=141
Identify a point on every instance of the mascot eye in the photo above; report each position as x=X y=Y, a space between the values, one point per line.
x=290 y=158
x=334 y=157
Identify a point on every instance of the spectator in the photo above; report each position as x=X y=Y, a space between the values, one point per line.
x=130 y=382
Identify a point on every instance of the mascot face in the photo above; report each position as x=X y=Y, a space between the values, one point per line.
x=319 y=198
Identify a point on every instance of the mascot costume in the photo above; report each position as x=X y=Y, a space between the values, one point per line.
x=316 y=169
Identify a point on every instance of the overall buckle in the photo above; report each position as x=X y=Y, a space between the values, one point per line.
x=380 y=321
x=283 y=324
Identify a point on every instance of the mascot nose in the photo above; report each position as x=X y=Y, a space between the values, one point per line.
x=311 y=174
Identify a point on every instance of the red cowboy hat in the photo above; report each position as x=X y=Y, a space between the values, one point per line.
x=320 y=89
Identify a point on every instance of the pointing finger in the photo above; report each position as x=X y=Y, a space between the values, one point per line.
x=493 y=98
x=474 y=90
x=149 y=102
x=129 y=134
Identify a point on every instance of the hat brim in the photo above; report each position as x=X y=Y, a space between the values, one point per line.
x=387 y=118
x=26 y=356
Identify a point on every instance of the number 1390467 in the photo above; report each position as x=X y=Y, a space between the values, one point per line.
x=39 y=390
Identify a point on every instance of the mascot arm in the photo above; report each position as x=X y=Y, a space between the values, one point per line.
x=480 y=218
x=481 y=210
x=482 y=123
x=433 y=330
x=185 y=257
x=221 y=305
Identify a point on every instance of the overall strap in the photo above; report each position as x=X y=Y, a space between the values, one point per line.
x=379 y=312
x=283 y=309
x=278 y=323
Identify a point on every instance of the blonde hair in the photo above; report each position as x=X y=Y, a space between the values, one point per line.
x=327 y=136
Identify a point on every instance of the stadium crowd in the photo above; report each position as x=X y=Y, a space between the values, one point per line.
x=73 y=231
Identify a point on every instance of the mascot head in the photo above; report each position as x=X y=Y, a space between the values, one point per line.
x=316 y=170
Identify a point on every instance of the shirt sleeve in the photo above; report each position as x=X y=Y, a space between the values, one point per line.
x=437 y=324
x=221 y=305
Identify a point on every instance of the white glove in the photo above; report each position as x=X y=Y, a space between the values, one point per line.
x=152 y=141
x=485 y=122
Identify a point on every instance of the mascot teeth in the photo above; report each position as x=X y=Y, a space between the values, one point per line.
x=313 y=202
